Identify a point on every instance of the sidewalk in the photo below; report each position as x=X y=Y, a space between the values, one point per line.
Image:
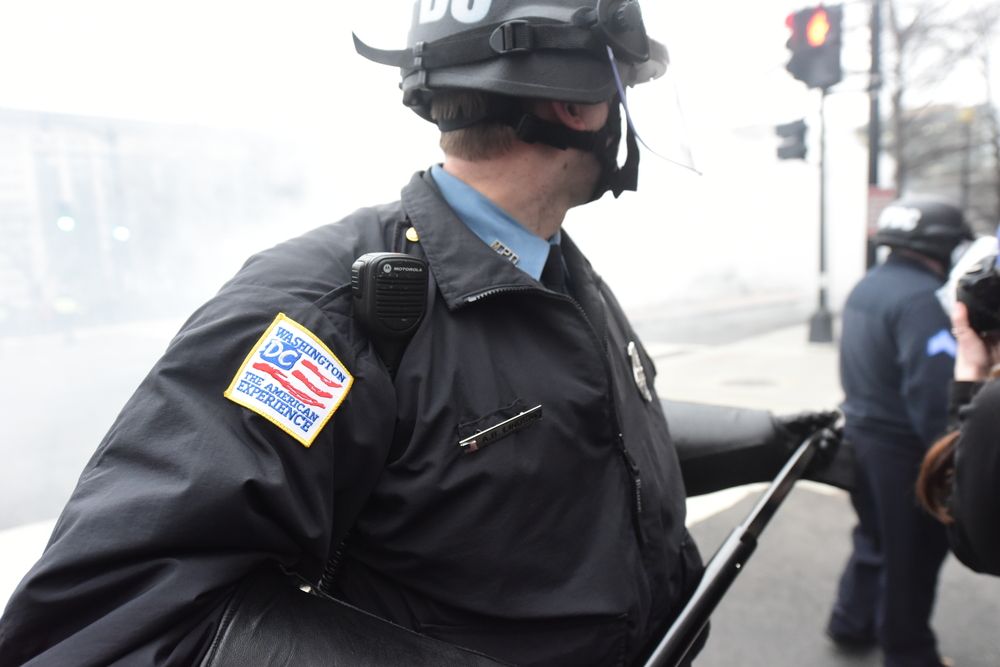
x=778 y=371
x=776 y=610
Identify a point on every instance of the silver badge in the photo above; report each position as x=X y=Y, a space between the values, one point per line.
x=505 y=252
x=638 y=372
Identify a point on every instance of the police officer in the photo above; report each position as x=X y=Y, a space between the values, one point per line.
x=511 y=487
x=896 y=360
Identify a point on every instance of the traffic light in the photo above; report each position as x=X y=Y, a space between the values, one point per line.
x=793 y=136
x=815 y=45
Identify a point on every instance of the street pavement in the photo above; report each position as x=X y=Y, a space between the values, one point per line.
x=776 y=610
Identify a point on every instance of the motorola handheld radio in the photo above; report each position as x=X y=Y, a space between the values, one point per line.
x=390 y=298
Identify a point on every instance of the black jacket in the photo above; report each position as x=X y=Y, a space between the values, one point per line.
x=975 y=500
x=562 y=543
x=896 y=355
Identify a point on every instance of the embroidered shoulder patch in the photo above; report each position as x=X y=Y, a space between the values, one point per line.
x=942 y=343
x=291 y=379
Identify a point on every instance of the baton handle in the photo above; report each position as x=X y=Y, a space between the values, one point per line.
x=728 y=561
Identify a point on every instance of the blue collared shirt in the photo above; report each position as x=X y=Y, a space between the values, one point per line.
x=493 y=225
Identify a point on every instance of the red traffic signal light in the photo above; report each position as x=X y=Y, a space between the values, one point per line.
x=815 y=45
x=818 y=28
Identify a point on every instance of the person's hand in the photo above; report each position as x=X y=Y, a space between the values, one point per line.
x=799 y=426
x=833 y=463
x=972 y=359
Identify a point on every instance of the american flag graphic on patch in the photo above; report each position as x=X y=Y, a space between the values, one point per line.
x=291 y=379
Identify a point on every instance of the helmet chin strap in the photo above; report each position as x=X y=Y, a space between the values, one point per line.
x=603 y=143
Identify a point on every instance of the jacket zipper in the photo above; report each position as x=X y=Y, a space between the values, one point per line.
x=475 y=298
x=636 y=488
x=627 y=458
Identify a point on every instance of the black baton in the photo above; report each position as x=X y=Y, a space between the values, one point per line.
x=728 y=561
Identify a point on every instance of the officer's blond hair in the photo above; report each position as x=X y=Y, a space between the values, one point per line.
x=482 y=141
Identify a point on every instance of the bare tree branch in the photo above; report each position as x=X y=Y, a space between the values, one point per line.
x=929 y=41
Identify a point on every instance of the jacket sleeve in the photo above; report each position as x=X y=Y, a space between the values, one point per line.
x=189 y=492
x=975 y=501
x=721 y=446
x=725 y=446
x=926 y=356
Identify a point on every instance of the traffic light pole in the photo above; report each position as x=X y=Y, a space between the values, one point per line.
x=874 y=114
x=821 y=322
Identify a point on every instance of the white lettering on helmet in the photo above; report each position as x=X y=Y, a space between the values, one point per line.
x=899 y=217
x=463 y=11
x=432 y=10
x=473 y=11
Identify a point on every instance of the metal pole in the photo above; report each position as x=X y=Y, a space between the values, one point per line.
x=821 y=323
x=874 y=114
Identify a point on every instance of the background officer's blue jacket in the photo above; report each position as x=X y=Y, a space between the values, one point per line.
x=562 y=542
x=897 y=354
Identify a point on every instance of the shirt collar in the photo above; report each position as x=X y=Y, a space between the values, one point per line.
x=465 y=270
x=494 y=226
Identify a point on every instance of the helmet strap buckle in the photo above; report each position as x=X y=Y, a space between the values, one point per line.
x=511 y=37
x=418 y=55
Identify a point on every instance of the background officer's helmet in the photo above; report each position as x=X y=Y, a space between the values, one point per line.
x=931 y=226
x=547 y=49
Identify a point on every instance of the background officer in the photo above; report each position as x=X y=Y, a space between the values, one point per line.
x=896 y=360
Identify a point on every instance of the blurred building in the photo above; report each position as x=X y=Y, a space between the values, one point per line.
x=952 y=152
x=104 y=219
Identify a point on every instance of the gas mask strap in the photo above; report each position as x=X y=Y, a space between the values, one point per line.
x=617 y=180
x=533 y=130
x=529 y=128
x=603 y=143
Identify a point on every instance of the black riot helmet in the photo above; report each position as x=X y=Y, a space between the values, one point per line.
x=930 y=226
x=584 y=51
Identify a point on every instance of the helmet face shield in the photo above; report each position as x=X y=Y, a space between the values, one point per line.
x=654 y=111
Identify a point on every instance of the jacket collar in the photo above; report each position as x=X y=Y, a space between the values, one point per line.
x=914 y=262
x=463 y=266
x=492 y=224
x=466 y=269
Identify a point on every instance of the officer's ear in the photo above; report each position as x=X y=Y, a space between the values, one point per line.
x=577 y=116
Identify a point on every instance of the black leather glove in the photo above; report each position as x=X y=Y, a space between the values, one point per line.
x=801 y=425
x=833 y=463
